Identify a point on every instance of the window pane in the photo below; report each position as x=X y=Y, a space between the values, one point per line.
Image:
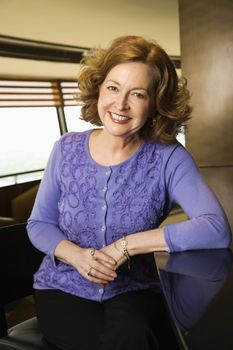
x=26 y=138
x=181 y=138
x=73 y=122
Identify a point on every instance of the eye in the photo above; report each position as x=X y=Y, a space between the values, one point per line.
x=138 y=95
x=112 y=88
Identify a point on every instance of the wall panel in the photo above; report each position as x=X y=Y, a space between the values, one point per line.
x=206 y=35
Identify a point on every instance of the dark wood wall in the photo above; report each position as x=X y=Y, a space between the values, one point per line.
x=206 y=32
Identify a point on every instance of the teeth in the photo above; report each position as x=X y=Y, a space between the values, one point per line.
x=119 y=117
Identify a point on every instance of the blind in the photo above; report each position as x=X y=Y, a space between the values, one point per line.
x=32 y=93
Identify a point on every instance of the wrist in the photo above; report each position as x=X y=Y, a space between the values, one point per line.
x=117 y=247
x=67 y=252
x=121 y=246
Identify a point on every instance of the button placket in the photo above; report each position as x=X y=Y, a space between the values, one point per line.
x=104 y=206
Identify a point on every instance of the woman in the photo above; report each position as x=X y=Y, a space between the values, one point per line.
x=103 y=196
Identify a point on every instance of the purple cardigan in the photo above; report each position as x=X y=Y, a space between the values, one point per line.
x=94 y=205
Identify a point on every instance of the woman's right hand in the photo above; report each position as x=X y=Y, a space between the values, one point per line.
x=93 y=264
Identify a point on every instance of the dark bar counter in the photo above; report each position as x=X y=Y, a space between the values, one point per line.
x=198 y=292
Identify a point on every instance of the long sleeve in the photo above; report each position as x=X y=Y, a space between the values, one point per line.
x=207 y=226
x=43 y=229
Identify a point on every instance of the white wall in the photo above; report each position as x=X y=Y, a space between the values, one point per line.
x=84 y=23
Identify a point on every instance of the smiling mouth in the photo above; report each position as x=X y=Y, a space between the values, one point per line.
x=120 y=119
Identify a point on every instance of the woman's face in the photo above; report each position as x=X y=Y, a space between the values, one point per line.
x=125 y=99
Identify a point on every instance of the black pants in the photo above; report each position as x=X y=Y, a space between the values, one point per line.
x=133 y=320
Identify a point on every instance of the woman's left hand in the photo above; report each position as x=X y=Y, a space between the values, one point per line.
x=114 y=250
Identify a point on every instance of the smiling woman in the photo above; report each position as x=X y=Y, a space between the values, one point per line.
x=105 y=193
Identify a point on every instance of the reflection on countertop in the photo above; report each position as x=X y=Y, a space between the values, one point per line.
x=191 y=282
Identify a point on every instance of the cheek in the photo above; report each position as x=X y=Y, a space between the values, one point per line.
x=100 y=99
x=101 y=106
x=104 y=101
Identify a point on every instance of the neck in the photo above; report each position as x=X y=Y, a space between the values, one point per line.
x=119 y=143
x=111 y=150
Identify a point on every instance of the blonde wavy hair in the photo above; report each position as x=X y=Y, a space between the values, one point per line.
x=170 y=93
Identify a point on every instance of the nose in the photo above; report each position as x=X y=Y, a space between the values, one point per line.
x=122 y=102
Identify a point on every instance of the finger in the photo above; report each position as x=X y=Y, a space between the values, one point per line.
x=110 y=266
x=100 y=275
x=91 y=278
x=98 y=281
x=104 y=270
x=99 y=255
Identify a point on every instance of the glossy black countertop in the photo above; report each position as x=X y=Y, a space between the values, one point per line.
x=198 y=290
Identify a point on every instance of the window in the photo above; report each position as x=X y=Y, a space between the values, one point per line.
x=181 y=137
x=73 y=122
x=26 y=138
x=31 y=121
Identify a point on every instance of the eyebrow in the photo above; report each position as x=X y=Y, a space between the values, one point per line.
x=135 y=88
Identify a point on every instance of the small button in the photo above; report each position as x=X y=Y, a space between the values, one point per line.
x=103 y=207
x=103 y=228
x=101 y=290
x=108 y=172
x=104 y=189
x=103 y=245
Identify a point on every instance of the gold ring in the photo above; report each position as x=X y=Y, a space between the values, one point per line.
x=92 y=252
x=89 y=272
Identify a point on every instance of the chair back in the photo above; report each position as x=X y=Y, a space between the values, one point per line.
x=19 y=260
